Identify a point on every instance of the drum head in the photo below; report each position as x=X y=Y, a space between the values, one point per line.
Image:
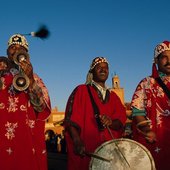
x=125 y=154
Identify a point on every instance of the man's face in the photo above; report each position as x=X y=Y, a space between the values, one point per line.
x=14 y=49
x=100 y=72
x=163 y=62
x=3 y=65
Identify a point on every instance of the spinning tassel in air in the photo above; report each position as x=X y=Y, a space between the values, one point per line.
x=42 y=33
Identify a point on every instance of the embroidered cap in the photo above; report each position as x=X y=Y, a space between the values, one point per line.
x=18 y=39
x=160 y=48
x=96 y=61
x=165 y=45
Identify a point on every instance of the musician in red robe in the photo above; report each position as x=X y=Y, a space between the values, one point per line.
x=88 y=124
x=151 y=108
x=24 y=107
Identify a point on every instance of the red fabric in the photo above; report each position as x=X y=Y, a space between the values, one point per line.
x=157 y=108
x=22 y=143
x=83 y=116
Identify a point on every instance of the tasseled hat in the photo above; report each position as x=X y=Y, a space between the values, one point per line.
x=164 y=46
x=21 y=40
x=18 y=39
x=95 y=61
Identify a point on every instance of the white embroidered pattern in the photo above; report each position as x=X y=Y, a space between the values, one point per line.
x=12 y=104
x=2 y=105
x=44 y=151
x=30 y=123
x=3 y=82
x=23 y=108
x=33 y=151
x=166 y=113
x=14 y=71
x=10 y=130
x=157 y=150
x=9 y=150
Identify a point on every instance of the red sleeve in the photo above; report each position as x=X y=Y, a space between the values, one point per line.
x=120 y=110
x=46 y=112
x=74 y=114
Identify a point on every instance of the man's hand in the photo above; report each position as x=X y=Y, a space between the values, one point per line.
x=79 y=148
x=106 y=120
x=78 y=145
x=3 y=65
x=27 y=68
x=151 y=137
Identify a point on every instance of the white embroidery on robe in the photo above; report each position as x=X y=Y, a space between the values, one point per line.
x=3 y=82
x=44 y=151
x=14 y=71
x=166 y=113
x=23 y=108
x=12 y=104
x=33 y=150
x=9 y=150
x=30 y=123
x=10 y=130
x=157 y=150
x=2 y=105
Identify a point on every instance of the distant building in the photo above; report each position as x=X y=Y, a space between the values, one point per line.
x=117 y=89
x=120 y=92
x=55 y=121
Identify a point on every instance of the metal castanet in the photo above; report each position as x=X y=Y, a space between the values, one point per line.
x=20 y=56
x=21 y=81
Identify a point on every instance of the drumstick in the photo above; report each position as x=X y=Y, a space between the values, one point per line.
x=97 y=156
x=118 y=147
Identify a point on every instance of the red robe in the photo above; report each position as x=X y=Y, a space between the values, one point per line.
x=79 y=113
x=149 y=96
x=22 y=139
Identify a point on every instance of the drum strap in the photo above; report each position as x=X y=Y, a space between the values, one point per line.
x=96 y=110
x=164 y=87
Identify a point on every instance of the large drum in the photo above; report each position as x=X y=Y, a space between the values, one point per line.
x=123 y=154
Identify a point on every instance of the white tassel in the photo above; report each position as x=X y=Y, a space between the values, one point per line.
x=89 y=78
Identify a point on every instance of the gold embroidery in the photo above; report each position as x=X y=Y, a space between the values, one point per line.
x=23 y=108
x=2 y=105
x=9 y=150
x=13 y=104
x=10 y=130
x=30 y=123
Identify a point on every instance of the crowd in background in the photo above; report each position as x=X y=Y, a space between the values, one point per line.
x=55 y=142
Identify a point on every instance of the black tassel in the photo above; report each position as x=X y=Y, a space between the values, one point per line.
x=42 y=33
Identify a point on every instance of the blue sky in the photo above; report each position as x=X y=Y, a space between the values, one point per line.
x=125 y=32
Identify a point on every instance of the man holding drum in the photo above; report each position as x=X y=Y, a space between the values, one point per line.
x=151 y=108
x=93 y=115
